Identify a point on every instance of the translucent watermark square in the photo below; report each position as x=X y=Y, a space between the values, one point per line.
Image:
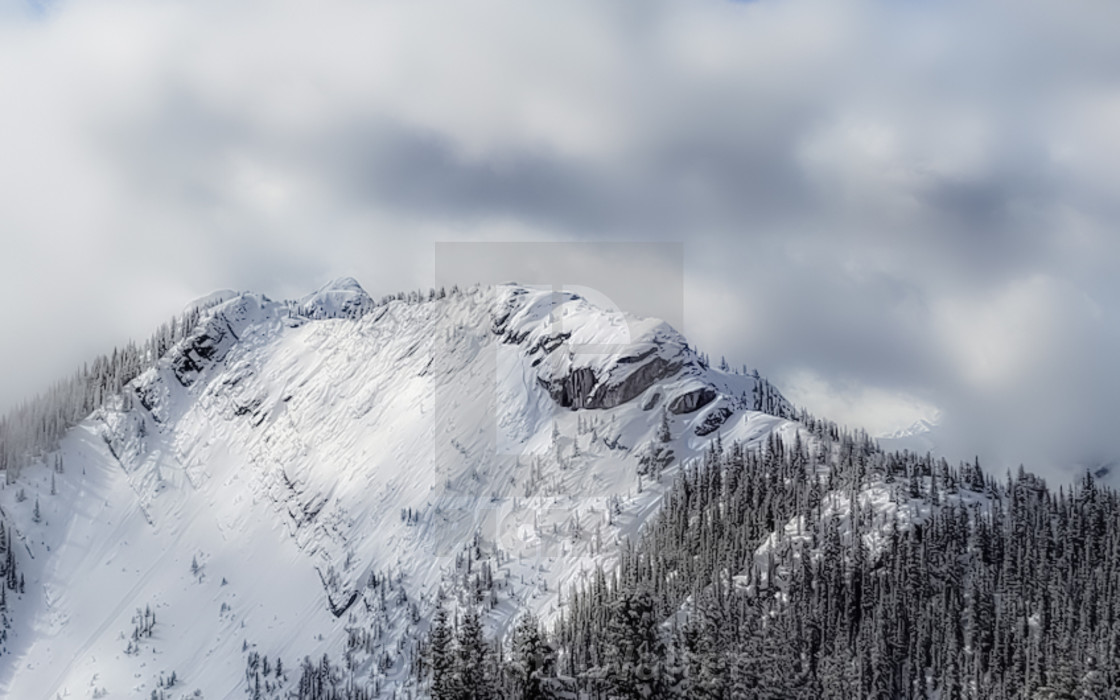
x=550 y=316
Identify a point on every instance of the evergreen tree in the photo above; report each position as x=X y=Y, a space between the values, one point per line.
x=663 y=433
x=473 y=677
x=441 y=657
x=532 y=659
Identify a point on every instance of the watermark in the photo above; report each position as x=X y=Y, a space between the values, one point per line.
x=521 y=437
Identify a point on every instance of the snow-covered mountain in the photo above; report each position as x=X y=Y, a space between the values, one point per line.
x=300 y=478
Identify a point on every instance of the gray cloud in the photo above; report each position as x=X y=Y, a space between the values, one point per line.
x=909 y=203
x=420 y=174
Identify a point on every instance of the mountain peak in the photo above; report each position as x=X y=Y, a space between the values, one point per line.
x=590 y=356
x=339 y=298
x=212 y=299
x=342 y=284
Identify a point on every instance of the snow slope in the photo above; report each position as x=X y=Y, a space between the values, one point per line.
x=296 y=475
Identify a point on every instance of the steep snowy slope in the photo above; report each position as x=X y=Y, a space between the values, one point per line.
x=300 y=478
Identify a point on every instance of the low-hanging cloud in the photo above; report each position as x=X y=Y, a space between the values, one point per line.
x=913 y=203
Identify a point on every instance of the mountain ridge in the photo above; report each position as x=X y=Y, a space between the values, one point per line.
x=509 y=420
x=512 y=492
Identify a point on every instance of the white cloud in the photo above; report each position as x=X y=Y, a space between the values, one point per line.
x=901 y=200
x=879 y=411
x=1002 y=339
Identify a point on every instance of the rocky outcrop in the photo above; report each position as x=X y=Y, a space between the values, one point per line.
x=692 y=400
x=635 y=383
x=713 y=420
x=581 y=388
x=573 y=390
x=201 y=350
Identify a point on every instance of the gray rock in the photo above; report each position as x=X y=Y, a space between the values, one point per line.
x=692 y=400
x=711 y=423
x=581 y=388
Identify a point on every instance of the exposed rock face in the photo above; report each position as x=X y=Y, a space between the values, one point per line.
x=638 y=381
x=713 y=421
x=585 y=357
x=692 y=400
x=216 y=336
x=207 y=347
x=582 y=389
x=573 y=390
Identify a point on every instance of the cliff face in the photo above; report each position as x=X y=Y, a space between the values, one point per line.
x=589 y=358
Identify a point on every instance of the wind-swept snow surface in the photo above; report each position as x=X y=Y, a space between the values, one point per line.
x=297 y=475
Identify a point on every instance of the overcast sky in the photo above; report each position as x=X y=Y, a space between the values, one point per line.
x=891 y=208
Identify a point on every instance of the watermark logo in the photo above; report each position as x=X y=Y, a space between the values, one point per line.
x=518 y=455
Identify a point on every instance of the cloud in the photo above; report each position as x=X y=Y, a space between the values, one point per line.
x=912 y=203
x=878 y=411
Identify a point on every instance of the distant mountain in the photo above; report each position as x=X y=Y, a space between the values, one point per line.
x=921 y=436
x=918 y=427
